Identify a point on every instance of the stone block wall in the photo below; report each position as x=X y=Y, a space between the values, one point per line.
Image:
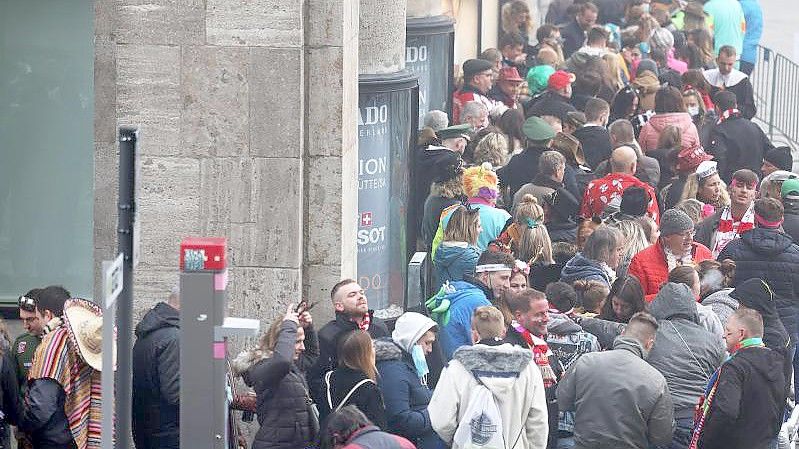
x=246 y=111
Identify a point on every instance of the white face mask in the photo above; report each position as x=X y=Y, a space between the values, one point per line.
x=693 y=110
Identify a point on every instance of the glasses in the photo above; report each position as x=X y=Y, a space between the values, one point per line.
x=27 y=304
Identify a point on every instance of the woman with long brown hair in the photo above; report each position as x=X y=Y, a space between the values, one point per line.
x=354 y=382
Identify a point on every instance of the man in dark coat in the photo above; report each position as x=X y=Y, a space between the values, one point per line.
x=555 y=101
x=593 y=136
x=736 y=142
x=727 y=78
x=523 y=167
x=745 y=410
x=156 y=377
x=574 y=33
x=767 y=253
x=352 y=312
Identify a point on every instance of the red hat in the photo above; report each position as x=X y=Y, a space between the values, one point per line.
x=509 y=74
x=560 y=79
x=690 y=157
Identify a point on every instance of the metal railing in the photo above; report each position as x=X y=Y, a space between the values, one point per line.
x=775 y=80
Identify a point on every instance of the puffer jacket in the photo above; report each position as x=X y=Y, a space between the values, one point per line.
x=468 y=295
x=405 y=396
x=651 y=268
x=650 y=133
x=628 y=406
x=684 y=352
x=366 y=397
x=580 y=267
x=791 y=218
x=156 y=379
x=774 y=257
x=514 y=380
x=453 y=260
x=283 y=403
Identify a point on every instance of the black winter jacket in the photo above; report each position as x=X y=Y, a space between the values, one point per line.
x=44 y=419
x=520 y=169
x=328 y=344
x=774 y=257
x=596 y=144
x=549 y=103
x=738 y=143
x=791 y=223
x=156 y=379
x=746 y=412
x=283 y=403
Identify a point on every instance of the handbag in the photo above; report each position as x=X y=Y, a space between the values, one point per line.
x=347 y=397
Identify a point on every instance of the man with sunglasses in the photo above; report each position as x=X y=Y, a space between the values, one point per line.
x=37 y=308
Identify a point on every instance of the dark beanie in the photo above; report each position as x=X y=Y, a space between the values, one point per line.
x=634 y=201
x=780 y=157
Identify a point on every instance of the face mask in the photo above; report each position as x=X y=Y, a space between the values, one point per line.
x=693 y=110
x=419 y=361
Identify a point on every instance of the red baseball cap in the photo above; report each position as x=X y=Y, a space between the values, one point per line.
x=560 y=79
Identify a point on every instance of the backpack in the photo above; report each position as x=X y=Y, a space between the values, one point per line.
x=347 y=397
x=481 y=425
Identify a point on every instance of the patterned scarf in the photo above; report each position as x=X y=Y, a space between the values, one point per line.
x=703 y=407
x=541 y=354
x=673 y=261
x=727 y=114
x=57 y=358
x=364 y=324
x=729 y=229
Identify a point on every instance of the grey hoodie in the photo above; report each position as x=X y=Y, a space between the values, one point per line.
x=684 y=352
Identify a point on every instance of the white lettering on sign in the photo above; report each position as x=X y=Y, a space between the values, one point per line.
x=374 y=235
x=372 y=166
x=416 y=54
x=372 y=115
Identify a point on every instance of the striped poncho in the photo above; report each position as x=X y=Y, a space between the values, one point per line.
x=57 y=358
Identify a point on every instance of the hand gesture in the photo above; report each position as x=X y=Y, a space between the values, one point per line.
x=306 y=320
x=291 y=315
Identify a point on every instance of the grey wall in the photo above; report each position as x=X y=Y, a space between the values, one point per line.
x=247 y=119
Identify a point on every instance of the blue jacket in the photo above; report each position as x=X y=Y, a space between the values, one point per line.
x=458 y=331
x=579 y=267
x=405 y=396
x=754 y=29
x=453 y=262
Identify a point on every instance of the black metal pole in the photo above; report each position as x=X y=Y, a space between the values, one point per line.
x=127 y=213
x=479 y=27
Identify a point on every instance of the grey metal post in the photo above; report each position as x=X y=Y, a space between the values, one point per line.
x=203 y=332
x=112 y=287
x=127 y=213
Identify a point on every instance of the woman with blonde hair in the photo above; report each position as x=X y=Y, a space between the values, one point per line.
x=525 y=236
x=492 y=148
x=634 y=241
x=591 y=295
x=516 y=18
x=275 y=371
x=457 y=255
x=353 y=382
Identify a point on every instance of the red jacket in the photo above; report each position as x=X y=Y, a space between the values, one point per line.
x=465 y=95
x=650 y=266
x=600 y=192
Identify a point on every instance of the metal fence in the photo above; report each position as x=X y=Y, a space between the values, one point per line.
x=776 y=84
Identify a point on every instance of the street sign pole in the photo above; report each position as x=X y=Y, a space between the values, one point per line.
x=113 y=281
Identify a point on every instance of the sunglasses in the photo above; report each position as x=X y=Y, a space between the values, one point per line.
x=27 y=304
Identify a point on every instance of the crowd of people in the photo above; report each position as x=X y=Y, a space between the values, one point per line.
x=615 y=258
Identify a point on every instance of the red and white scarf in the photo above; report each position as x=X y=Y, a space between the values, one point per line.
x=729 y=229
x=541 y=353
x=365 y=321
x=728 y=113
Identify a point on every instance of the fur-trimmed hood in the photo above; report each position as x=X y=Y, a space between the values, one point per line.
x=497 y=366
x=247 y=359
x=386 y=349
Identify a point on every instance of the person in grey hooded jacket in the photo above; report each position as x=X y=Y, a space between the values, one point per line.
x=619 y=400
x=685 y=353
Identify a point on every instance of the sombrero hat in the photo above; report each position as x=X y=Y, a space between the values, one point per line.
x=84 y=322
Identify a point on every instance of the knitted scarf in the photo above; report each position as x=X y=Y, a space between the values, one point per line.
x=365 y=322
x=541 y=353
x=705 y=401
x=729 y=229
x=57 y=358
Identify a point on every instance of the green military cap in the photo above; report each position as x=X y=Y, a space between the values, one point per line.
x=455 y=131
x=536 y=128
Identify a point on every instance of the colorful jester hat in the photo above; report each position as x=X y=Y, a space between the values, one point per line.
x=481 y=181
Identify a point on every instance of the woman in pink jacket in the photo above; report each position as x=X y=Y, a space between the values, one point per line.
x=669 y=110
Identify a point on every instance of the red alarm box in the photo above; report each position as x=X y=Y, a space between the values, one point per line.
x=203 y=253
